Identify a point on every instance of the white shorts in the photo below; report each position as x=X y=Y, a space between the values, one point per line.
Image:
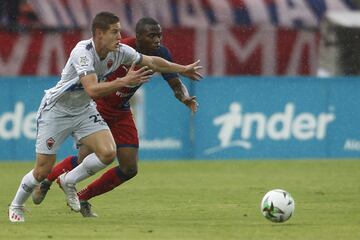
x=55 y=126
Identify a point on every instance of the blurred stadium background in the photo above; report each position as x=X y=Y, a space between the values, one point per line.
x=281 y=76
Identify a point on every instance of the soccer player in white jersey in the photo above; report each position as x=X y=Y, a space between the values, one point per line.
x=67 y=108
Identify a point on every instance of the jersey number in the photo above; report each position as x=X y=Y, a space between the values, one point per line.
x=97 y=118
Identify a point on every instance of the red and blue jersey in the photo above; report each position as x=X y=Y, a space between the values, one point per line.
x=112 y=105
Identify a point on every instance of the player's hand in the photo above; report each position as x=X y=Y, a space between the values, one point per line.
x=191 y=103
x=192 y=71
x=134 y=78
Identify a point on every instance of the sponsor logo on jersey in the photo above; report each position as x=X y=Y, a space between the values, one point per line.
x=125 y=68
x=124 y=94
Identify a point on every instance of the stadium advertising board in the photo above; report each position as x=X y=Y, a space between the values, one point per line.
x=163 y=122
x=238 y=118
x=20 y=99
x=295 y=117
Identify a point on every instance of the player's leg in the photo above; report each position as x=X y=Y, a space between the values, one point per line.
x=112 y=178
x=126 y=138
x=66 y=165
x=91 y=131
x=43 y=165
x=52 y=132
x=103 y=146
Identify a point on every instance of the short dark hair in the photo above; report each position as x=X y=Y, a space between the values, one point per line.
x=140 y=25
x=103 y=20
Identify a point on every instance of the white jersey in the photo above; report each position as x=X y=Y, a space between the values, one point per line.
x=68 y=94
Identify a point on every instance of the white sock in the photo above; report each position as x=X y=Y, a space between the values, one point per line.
x=89 y=166
x=27 y=185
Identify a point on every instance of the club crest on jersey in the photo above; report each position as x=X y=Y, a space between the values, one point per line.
x=50 y=143
x=110 y=63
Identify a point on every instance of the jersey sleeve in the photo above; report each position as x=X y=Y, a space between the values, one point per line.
x=130 y=55
x=83 y=61
x=165 y=53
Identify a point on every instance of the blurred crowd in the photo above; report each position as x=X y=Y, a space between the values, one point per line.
x=286 y=30
x=20 y=15
x=17 y=15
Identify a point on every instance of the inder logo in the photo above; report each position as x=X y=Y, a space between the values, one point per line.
x=237 y=128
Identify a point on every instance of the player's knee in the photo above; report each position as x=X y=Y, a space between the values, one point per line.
x=128 y=173
x=41 y=174
x=107 y=156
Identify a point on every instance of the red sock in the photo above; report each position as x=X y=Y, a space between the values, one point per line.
x=65 y=165
x=107 y=182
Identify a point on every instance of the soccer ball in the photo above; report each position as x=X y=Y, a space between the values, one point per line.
x=277 y=205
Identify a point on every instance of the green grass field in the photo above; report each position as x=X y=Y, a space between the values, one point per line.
x=200 y=200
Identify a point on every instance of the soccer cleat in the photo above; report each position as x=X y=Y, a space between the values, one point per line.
x=16 y=213
x=86 y=209
x=40 y=191
x=69 y=189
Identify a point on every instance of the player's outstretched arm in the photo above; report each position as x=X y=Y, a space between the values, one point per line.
x=192 y=71
x=95 y=89
x=182 y=94
x=158 y=64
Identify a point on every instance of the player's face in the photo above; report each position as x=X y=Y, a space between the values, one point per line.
x=150 y=39
x=111 y=37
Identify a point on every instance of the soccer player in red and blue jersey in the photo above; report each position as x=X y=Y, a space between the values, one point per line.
x=115 y=110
